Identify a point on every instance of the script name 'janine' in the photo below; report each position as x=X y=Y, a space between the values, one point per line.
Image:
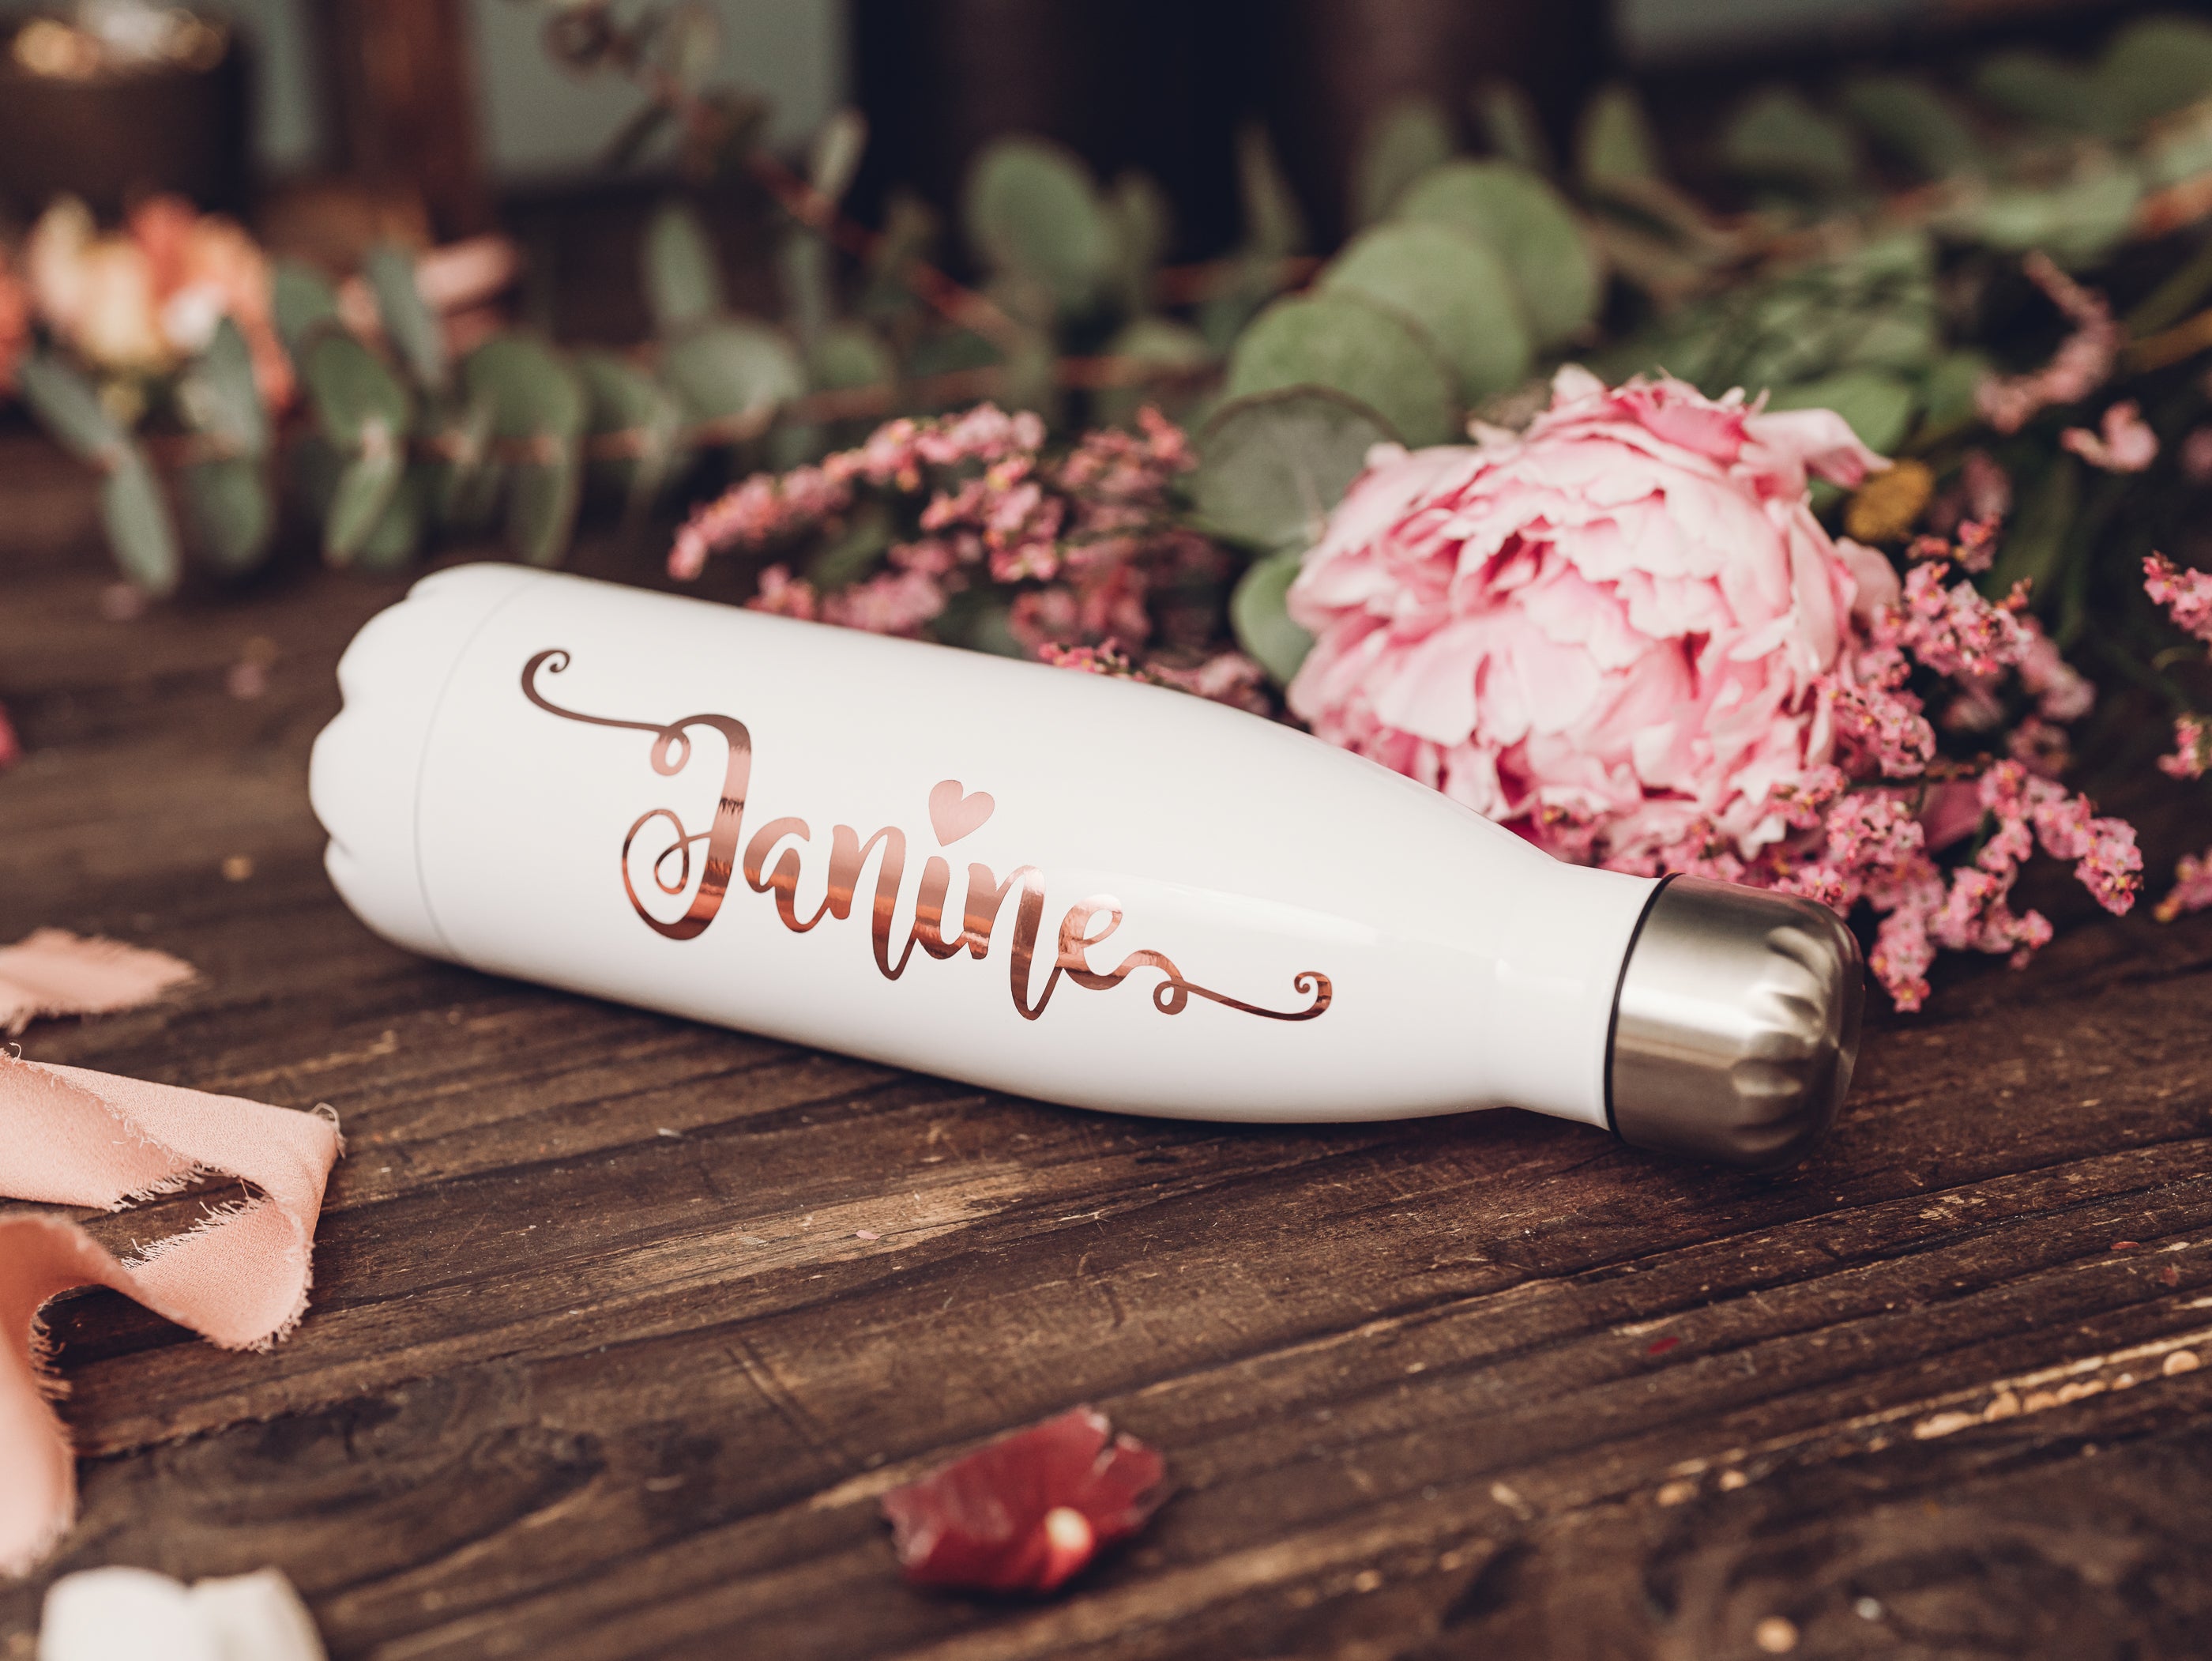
x=775 y=861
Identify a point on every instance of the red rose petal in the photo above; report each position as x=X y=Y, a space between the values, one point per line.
x=1661 y=1346
x=1027 y=1511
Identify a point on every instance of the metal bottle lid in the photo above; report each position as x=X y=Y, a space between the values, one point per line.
x=1735 y=1026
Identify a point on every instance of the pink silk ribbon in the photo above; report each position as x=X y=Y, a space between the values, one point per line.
x=240 y=1279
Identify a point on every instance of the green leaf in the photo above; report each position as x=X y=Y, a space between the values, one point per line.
x=910 y=231
x=1259 y=613
x=2036 y=540
x=1449 y=282
x=2075 y=223
x=736 y=366
x=303 y=299
x=853 y=555
x=220 y=398
x=354 y=391
x=531 y=392
x=393 y=541
x=1348 y=343
x=69 y=408
x=417 y=337
x=849 y=355
x=541 y=510
x=1153 y=340
x=1530 y=225
x=364 y=490
x=803 y=264
x=1913 y=122
x=232 y=512
x=1272 y=466
x=2033 y=84
x=1274 y=227
x=834 y=156
x=1877 y=406
x=1032 y=210
x=1613 y=140
x=1778 y=137
x=1143 y=225
x=1407 y=139
x=622 y=398
x=1507 y=117
x=1948 y=389
x=137 y=523
x=2156 y=66
x=682 y=278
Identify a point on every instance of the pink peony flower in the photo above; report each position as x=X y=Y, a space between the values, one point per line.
x=1621 y=630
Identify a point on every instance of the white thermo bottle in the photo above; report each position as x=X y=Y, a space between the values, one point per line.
x=1085 y=890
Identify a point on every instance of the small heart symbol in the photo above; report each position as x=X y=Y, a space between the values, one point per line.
x=954 y=815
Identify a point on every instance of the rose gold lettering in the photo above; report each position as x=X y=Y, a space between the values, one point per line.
x=954 y=814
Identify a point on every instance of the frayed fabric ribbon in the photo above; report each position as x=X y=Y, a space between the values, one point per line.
x=240 y=1279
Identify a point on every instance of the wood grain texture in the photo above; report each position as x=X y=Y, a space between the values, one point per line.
x=621 y=1324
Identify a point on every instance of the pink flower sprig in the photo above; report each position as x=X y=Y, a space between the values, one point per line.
x=1085 y=550
x=2083 y=362
x=2192 y=749
x=2193 y=887
x=2186 y=595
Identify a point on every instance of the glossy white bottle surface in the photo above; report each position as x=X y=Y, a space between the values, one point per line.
x=1081 y=889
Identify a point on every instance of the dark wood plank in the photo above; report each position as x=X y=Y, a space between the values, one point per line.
x=600 y=1362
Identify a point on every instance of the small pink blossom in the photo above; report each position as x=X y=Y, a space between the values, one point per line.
x=785 y=595
x=893 y=603
x=2192 y=749
x=2061 y=693
x=2083 y=362
x=2193 y=887
x=2186 y=595
x=2127 y=444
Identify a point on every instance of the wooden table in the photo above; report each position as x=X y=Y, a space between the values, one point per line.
x=620 y=1325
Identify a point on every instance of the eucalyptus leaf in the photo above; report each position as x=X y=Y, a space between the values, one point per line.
x=232 y=511
x=2074 y=223
x=2156 y=66
x=1259 y=612
x=1350 y=343
x=1530 y=225
x=397 y=537
x=303 y=300
x=364 y=490
x=220 y=396
x=2030 y=83
x=137 y=523
x=735 y=367
x=541 y=508
x=1950 y=389
x=1407 y=139
x=1507 y=118
x=621 y=397
x=353 y=391
x=1272 y=466
x=1032 y=210
x=850 y=557
x=1613 y=141
x=803 y=264
x=2035 y=541
x=682 y=278
x=1449 y=282
x=68 y=407
x=1155 y=341
x=1778 y=137
x=1910 y=121
x=1143 y=225
x=909 y=229
x=1877 y=406
x=531 y=392
x=1274 y=227
x=417 y=337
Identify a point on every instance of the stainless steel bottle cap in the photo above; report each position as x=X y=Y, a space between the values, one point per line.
x=1735 y=1026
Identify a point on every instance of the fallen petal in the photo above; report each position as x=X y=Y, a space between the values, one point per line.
x=1028 y=1511
x=53 y=973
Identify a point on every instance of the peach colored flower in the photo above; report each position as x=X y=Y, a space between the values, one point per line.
x=14 y=321
x=1612 y=632
x=2126 y=444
